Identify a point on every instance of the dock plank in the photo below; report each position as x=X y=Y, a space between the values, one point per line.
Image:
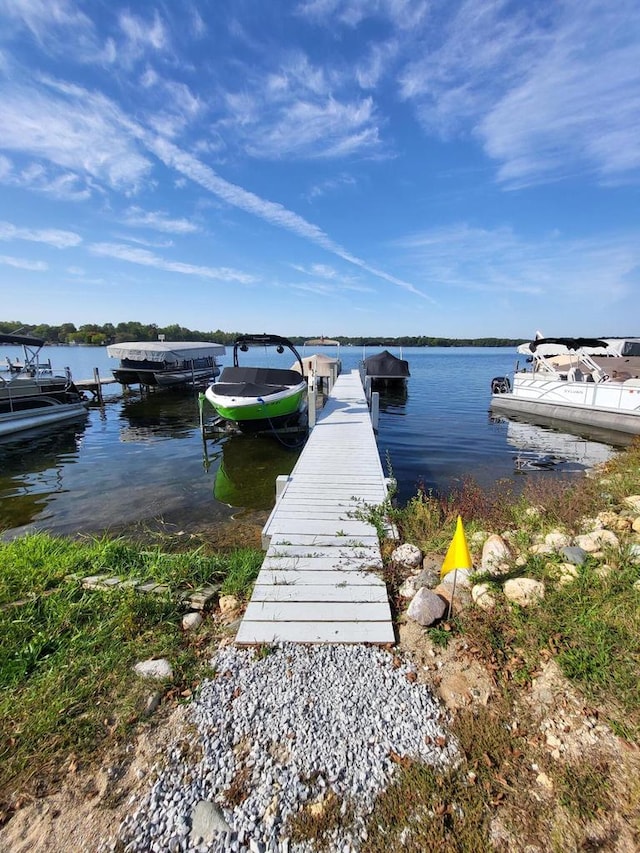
x=374 y=633
x=317 y=583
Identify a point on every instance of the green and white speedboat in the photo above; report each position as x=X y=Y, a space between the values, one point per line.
x=257 y=398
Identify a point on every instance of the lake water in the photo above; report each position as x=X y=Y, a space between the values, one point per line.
x=141 y=459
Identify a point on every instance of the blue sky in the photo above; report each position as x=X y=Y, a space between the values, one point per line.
x=336 y=167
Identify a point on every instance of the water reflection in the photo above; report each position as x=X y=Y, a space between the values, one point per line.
x=247 y=468
x=393 y=398
x=543 y=448
x=33 y=470
x=157 y=416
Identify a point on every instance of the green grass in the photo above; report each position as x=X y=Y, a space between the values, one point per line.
x=66 y=653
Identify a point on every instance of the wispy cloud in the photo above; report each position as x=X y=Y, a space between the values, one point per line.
x=73 y=129
x=302 y=111
x=499 y=261
x=57 y=238
x=158 y=221
x=330 y=185
x=578 y=108
x=148 y=259
x=403 y=14
x=22 y=264
x=548 y=93
x=270 y=211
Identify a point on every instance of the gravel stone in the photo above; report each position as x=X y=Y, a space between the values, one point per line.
x=283 y=729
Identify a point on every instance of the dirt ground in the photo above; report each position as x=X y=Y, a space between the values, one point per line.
x=92 y=800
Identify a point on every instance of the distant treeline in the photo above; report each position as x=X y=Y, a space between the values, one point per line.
x=99 y=335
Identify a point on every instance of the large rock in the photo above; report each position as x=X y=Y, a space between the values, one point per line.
x=427 y=577
x=573 y=554
x=597 y=539
x=192 y=621
x=407 y=556
x=496 y=555
x=458 y=598
x=524 y=591
x=458 y=578
x=207 y=821
x=426 y=608
x=556 y=540
x=633 y=501
x=158 y=669
x=483 y=596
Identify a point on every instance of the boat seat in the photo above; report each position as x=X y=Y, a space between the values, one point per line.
x=249 y=389
x=260 y=375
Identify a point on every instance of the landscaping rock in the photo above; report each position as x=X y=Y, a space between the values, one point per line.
x=482 y=595
x=596 y=539
x=154 y=668
x=426 y=607
x=228 y=604
x=524 y=591
x=574 y=554
x=192 y=621
x=207 y=820
x=557 y=540
x=407 y=556
x=458 y=577
x=633 y=501
x=496 y=555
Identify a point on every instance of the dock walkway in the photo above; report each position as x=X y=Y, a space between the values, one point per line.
x=318 y=581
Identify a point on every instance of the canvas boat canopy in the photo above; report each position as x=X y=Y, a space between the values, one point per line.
x=591 y=346
x=22 y=340
x=385 y=365
x=165 y=351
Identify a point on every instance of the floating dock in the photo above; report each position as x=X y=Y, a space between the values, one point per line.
x=320 y=580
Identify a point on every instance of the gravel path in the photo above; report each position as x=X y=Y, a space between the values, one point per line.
x=276 y=734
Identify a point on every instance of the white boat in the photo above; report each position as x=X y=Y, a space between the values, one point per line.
x=590 y=382
x=33 y=395
x=166 y=364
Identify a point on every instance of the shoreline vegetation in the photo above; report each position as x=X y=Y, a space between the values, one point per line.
x=540 y=674
x=93 y=334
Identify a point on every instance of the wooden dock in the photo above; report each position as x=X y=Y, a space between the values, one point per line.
x=318 y=581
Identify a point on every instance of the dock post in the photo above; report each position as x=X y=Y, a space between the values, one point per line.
x=375 y=409
x=96 y=379
x=311 y=401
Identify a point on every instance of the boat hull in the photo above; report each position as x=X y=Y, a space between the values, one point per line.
x=26 y=419
x=610 y=406
x=257 y=412
x=164 y=379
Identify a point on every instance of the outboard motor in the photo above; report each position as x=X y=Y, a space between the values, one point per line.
x=500 y=385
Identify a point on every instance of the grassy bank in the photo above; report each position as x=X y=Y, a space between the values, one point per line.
x=511 y=788
x=67 y=687
x=68 y=690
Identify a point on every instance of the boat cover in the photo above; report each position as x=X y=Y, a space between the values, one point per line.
x=160 y=351
x=385 y=365
x=258 y=376
x=22 y=340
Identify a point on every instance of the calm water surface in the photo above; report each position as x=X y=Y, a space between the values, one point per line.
x=142 y=459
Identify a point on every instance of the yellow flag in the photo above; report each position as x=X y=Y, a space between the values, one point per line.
x=458 y=556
